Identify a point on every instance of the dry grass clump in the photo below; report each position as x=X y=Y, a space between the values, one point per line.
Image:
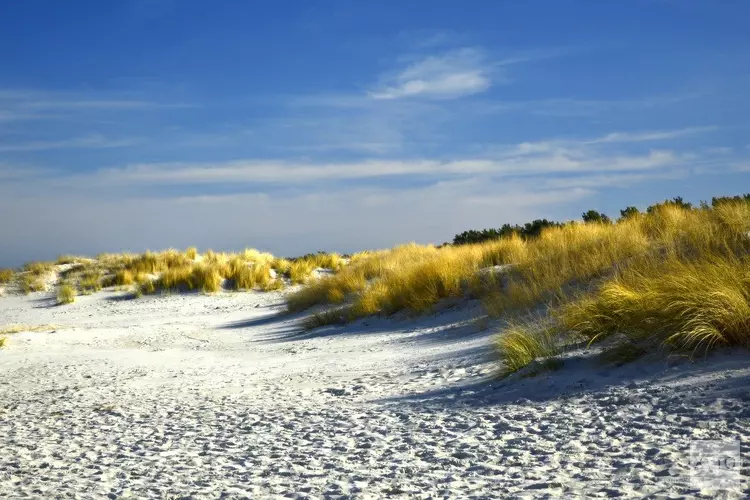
x=123 y=277
x=90 y=281
x=246 y=276
x=6 y=275
x=66 y=294
x=521 y=344
x=187 y=271
x=205 y=277
x=300 y=270
x=281 y=265
x=31 y=283
x=685 y=304
x=39 y=268
x=33 y=277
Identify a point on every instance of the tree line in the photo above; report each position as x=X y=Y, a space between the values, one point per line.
x=534 y=228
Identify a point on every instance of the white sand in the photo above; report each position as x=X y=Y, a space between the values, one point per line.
x=194 y=396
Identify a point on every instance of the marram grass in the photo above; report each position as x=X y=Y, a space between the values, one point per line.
x=66 y=294
x=689 y=290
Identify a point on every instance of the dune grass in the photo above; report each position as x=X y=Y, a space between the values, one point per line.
x=38 y=267
x=411 y=277
x=520 y=345
x=66 y=294
x=6 y=276
x=175 y=270
x=688 y=290
x=32 y=277
x=676 y=278
x=692 y=304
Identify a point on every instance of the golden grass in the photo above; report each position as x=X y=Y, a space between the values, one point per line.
x=32 y=283
x=39 y=268
x=686 y=304
x=281 y=265
x=246 y=276
x=6 y=275
x=521 y=344
x=174 y=270
x=3 y=341
x=675 y=277
x=90 y=281
x=66 y=294
x=688 y=289
x=300 y=270
x=123 y=277
x=412 y=277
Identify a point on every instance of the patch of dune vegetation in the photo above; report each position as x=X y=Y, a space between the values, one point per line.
x=174 y=270
x=676 y=277
x=688 y=289
x=33 y=276
x=6 y=276
x=66 y=294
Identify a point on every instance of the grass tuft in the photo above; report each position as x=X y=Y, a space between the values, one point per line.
x=66 y=294
x=521 y=344
x=6 y=275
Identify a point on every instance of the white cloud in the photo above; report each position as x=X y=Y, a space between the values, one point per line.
x=654 y=135
x=297 y=173
x=95 y=141
x=454 y=74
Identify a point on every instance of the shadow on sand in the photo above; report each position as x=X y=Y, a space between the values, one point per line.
x=582 y=374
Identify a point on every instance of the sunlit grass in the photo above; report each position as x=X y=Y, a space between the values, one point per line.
x=687 y=304
x=687 y=290
x=521 y=344
x=6 y=276
x=66 y=294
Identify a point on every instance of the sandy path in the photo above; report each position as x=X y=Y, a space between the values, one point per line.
x=194 y=396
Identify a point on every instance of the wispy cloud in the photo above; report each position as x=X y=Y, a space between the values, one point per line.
x=95 y=141
x=37 y=104
x=584 y=147
x=453 y=74
x=300 y=173
x=655 y=135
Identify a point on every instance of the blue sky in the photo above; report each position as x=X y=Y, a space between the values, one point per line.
x=335 y=125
